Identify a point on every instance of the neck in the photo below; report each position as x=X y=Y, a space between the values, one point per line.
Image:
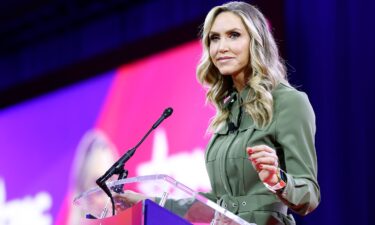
x=239 y=81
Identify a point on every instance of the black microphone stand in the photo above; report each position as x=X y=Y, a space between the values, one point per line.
x=118 y=167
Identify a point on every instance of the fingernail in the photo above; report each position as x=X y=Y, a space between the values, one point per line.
x=249 y=151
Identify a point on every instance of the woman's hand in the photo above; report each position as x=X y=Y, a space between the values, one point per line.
x=265 y=162
x=128 y=199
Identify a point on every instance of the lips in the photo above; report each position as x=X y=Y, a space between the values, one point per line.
x=224 y=58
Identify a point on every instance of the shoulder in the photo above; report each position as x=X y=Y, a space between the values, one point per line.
x=287 y=96
x=292 y=105
x=284 y=92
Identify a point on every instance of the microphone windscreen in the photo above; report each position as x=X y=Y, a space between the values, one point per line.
x=167 y=112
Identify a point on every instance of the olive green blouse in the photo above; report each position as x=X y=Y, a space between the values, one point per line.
x=235 y=183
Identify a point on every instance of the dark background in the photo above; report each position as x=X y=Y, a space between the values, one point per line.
x=328 y=45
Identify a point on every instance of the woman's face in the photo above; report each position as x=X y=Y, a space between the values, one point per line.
x=229 y=44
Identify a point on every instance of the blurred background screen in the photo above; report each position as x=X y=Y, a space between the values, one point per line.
x=82 y=81
x=123 y=103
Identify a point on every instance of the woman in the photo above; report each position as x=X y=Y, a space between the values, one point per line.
x=95 y=154
x=261 y=159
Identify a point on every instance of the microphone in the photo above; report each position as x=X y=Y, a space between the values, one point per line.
x=118 y=167
x=167 y=112
x=229 y=100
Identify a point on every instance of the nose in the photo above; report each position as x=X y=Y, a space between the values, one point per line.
x=223 y=45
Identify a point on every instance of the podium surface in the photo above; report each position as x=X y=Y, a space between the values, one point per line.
x=173 y=202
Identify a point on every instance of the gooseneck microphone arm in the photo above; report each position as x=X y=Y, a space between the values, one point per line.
x=118 y=167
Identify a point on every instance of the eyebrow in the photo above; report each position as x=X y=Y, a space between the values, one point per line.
x=228 y=31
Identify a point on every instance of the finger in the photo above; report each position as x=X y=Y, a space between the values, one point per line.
x=255 y=166
x=263 y=154
x=122 y=203
x=128 y=192
x=260 y=167
x=118 y=197
x=269 y=168
x=266 y=160
x=128 y=197
x=270 y=172
x=258 y=148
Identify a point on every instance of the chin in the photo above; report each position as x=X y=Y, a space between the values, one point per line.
x=227 y=69
x=226 y=72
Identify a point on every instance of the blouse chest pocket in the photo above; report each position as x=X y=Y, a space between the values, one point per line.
x=230 y=145
x=215 y=147
x=240 y=143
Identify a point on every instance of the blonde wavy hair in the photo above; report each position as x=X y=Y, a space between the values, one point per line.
x=265 y=68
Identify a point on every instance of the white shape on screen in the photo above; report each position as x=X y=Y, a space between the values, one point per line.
x=28 y=210
x=187 y=167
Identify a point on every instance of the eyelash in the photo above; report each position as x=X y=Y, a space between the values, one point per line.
x=214 y=37
x=232 y=35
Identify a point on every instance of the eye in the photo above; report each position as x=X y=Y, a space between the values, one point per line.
x=234 y=35
x=214 y=37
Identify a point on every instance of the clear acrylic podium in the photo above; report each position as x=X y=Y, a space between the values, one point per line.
x=174 y=204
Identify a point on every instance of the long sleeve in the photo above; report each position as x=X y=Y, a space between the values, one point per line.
x=295 y=132
x=209 y=195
